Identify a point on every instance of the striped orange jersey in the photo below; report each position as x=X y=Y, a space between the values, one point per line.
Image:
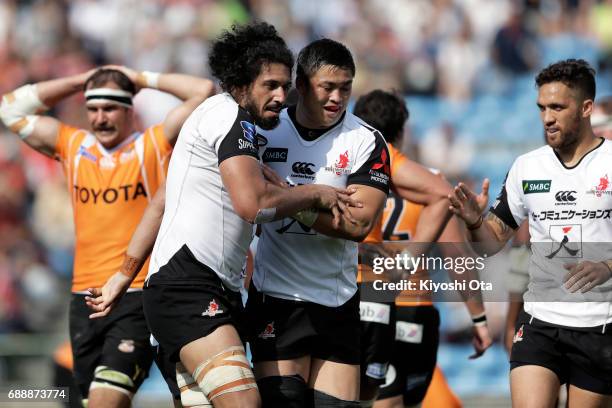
x=110 y=190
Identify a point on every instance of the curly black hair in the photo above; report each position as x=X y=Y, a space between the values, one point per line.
x=104 y=75
x=386 y=111
x=237 y=55
x=323 y=52
x=575 y=73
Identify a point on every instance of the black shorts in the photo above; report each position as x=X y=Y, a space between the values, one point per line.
x=185 y=301
x=414 y=354
x=377 y=338
x=579 y=356
x=119 y=341
x=282 y=329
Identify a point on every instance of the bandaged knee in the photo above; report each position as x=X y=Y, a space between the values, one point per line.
x=228 y=371
x=288 y=391
x=191 y=394
x=19 y=108
x=106 y=377
x=323 y=400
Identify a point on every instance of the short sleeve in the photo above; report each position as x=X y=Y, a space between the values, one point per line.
x=509 y=205
x=373 y=164
x=160 y=140
x=65 y=136
x=240 y=140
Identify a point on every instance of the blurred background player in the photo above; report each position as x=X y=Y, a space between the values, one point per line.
x=112 y=171
x=561 y=334
x=192 y=300
x=410 y=351
x=303 y=301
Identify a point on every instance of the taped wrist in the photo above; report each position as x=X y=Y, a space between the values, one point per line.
x=148 y=79
x=307 y=217
x=131 y=266
x=480 y=320
x=19 y=108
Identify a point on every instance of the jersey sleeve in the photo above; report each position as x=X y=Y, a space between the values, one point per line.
x=65 y=135
x=509 y=205
x=373 y=164
x=160 y=140
x=240 y=140
x=397 y=159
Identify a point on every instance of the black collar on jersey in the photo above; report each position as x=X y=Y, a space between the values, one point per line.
x=583 y=156
x=306 y=133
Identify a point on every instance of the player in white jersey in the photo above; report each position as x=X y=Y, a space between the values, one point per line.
x=215 y=191
x=303 y=304
x=564 y=334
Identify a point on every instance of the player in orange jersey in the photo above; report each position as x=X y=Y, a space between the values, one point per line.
x=112 y=171
x=410 y=345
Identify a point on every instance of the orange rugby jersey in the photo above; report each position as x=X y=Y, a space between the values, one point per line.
x=110 y=191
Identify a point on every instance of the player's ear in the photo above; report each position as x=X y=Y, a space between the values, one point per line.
x=587 y=108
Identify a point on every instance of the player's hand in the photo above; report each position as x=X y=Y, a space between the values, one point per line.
x=102 y=301
x=272 y=177
x=338 y=201
x=585 y=275
x=481 y=340
x=129 y=72
x=465 y=204
x=483 y=197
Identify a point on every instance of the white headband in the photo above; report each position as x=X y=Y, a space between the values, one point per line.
x=118 y=96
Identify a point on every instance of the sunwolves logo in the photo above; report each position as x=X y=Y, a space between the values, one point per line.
x=213 y=309
x=268 y=332
x=536 y=186
x=519 y=335
x=602 y=186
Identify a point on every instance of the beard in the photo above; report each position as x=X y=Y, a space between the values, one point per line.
x=262 y=122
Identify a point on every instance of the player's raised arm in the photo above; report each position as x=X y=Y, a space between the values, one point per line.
x=21 y=109
x=103 y=299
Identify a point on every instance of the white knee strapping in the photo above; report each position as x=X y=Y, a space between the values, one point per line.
x=19 y=108
x=105 y=377
x=192 y=395
x=228 y=371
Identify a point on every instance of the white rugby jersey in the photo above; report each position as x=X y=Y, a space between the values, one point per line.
x=570 y=220
x=199 y=212
x=294 y=261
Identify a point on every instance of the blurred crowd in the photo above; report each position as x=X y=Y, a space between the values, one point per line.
x=449 y=50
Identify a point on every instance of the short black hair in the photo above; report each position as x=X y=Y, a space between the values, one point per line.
x=323 y=52
x=386 y=111
x=104 y=75
x=575 y=73
x=237 y=55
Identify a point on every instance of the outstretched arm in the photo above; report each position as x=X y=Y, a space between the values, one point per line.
x=103 y=300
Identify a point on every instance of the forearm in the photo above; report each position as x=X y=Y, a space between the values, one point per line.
x=51 y=92
x=431 y=224
x=143 y=239
x=346 y=230
x=275 y=202
x=182 y=86
x=484 y=235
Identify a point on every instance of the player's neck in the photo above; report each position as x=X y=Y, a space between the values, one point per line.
x=571 y=155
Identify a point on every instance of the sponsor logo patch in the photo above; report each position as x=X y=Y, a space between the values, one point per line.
x=302 y=170
x=566 y=241
x=275 y=154
x=409 y=332
x=536 y=186
x=374 y=312
x=565 y=197
x=249 y=130
x=377 y=370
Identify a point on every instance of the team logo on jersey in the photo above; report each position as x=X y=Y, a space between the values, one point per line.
x=127 y=156
x=536 y=186
x=566 y=241
x=108 y=162
x=565 y=197
x=126 y=346
x=275 y=154
x=518 y=336
x=213 y=309
x=602 y=187
x=341 y=166
x=249 y=130
x=268 y=332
